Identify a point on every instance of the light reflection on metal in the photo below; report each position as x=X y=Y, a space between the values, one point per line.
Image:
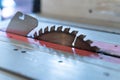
x=8 y=3
x=7 y=12
x=8 y=8
x=0 y=14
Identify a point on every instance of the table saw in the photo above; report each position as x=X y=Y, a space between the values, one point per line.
x=27 y=55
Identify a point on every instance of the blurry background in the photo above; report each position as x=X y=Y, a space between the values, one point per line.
x=9 y=7
x=95 y=12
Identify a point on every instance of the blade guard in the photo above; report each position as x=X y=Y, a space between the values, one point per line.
x=22 y=24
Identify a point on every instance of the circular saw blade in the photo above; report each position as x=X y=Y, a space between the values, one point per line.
x=64 y=37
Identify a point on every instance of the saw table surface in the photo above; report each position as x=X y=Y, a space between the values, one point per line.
x=30 y=61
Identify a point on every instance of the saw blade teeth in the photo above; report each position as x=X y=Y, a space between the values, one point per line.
x=66 y=30
x=59 y=28
x=74 y=32
x=46 y=30
x=65 y=37
x=52 y=28
x=89 y=41
x=81 y=36
x=40 y=32
x=95 y=48
x=35 y=35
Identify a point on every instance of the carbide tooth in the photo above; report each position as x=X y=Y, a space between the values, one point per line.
x=52 y=28
x=74 y=32
x=81 y=36
x=46 y=30
x=35 y=35
x=95 y=48
x=67 y=30
x=89 y=41
x=40 y=31
x=59 y=28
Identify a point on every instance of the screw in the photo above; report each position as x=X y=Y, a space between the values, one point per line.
x=23 y=51
x=106 y=74
x=60 y=61
x=15 y=49
x=116 y=46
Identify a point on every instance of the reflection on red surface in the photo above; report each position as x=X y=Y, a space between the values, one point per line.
x=69 y=49
x=50 y=45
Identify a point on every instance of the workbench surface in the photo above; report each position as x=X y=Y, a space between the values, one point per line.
x=31 y=61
